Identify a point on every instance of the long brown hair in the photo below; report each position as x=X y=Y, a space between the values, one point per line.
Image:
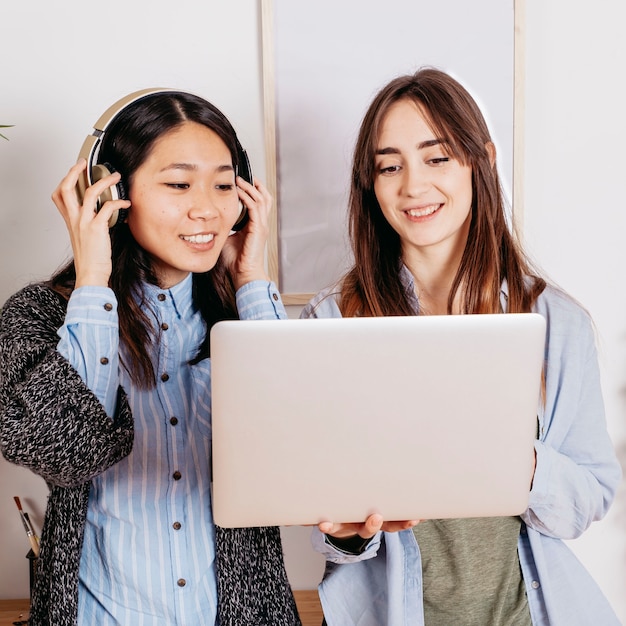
x=372 y=287
x=127 y=144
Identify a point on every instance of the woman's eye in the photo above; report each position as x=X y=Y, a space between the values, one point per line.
x=389 y=169
x=439 y=160
x=177 y=185
x=226 y=187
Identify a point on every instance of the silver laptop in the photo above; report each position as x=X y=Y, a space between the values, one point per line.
x=410 y=417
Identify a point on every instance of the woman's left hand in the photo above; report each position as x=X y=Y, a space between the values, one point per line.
x=244 y=251
x=367 y=529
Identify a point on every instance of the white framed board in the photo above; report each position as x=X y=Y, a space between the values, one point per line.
x=323 y=63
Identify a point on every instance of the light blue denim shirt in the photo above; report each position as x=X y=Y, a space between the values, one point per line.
x=148 y=552
x=575 y=481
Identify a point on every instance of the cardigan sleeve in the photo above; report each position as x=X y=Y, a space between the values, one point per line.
x=50 y=422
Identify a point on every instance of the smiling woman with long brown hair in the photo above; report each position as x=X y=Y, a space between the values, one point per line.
x=430 y=236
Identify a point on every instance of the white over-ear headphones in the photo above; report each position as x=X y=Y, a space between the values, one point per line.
x=96 y=171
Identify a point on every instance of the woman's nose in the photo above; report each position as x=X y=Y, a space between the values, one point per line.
x=415 y=179
x=203 y=206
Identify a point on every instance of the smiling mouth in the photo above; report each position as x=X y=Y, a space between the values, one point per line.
x=198 y=238
x=424 y=211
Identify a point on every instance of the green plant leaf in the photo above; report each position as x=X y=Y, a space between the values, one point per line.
x=5 y=126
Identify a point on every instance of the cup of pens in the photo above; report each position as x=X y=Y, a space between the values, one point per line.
x=33 y=553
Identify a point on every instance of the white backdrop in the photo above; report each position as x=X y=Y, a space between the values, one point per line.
x=61 y=67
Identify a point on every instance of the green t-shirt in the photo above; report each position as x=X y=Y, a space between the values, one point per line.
x=471 y=572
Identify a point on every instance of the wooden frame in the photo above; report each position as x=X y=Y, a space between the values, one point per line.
x=270 y=127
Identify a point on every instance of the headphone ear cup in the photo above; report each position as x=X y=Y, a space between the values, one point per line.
x=120 y=188
x=245 y=171
x=115 y=192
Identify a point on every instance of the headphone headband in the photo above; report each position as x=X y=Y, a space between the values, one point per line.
x=92 y=141
x=105 y=119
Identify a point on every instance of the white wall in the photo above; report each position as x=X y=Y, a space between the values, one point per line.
x=575 y=218
x=62 y=68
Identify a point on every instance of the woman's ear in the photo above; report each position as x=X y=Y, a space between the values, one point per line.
x=491 y=152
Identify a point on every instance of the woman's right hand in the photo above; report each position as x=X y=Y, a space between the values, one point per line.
x=373 y=524
x=88 y=230
x=244 y=251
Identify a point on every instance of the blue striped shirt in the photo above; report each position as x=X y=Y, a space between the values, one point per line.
x=148 y=553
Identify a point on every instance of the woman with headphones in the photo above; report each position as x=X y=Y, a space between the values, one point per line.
x=106 y=376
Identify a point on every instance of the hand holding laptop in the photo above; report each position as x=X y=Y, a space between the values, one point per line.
x=373 y=524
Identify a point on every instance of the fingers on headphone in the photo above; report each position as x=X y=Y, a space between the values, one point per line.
x=120 y=192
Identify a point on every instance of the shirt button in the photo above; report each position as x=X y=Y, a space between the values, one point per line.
x=164 y=326
x=104 y=361
x=181 y=582
x=275 y=296
x=173 y=421
x=161 y=297
x=177 y=475
x=165 y=377
x=108 y=306
x=176 y=525
x=535 y=584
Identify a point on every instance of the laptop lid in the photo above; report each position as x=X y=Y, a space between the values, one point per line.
x=416 y=417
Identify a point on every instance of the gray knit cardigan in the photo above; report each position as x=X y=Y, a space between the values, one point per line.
x=53 y=424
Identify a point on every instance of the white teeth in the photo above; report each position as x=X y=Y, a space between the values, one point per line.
x=423 y=212
x=198 y=238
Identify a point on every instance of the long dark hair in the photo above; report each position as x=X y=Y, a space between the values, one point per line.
x=127 y=143
x=372 y=286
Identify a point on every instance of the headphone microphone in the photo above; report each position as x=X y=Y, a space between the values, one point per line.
x=97 y=171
